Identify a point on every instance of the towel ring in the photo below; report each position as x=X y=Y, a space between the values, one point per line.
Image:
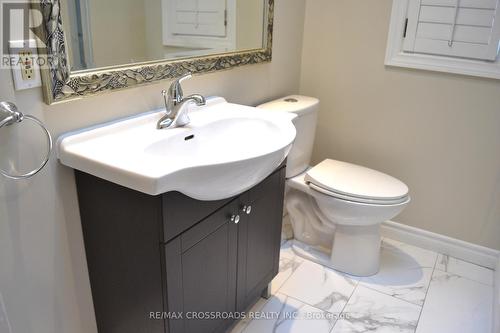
x=9 y=114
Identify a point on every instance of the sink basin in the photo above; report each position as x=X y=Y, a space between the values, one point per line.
x=225 y=150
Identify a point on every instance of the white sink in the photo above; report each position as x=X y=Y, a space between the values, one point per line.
x=226 y=149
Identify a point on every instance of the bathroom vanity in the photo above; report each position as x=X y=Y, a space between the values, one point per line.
x=180 y=223
x=154 y=256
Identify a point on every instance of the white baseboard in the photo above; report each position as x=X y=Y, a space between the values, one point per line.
x=473 y=253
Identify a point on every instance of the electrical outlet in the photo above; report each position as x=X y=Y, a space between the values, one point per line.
x=25 y=71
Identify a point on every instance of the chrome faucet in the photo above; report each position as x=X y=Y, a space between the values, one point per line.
x=174 y=104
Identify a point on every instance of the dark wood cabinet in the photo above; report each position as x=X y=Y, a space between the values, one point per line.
x=122 y=236
x=170 y=263
x=259 y=239
x=201 y=273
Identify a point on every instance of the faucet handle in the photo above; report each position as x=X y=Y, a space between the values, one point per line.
x=175 y=91
x=186 y=76
x=166 y=100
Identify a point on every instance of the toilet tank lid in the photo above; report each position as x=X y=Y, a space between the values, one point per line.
x=294 y=103
x=355 y=181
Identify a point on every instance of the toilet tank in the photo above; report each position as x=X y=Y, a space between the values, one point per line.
x=306 y=109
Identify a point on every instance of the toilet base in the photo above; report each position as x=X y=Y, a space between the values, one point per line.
x=311 y=253
x=356 y=250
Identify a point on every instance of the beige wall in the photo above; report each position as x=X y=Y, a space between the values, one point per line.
x=43 y=275
x=439 y=133
x=249 y=24
x=153 y=29
x=114 y=24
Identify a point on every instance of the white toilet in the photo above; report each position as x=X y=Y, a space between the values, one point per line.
x=335 y=208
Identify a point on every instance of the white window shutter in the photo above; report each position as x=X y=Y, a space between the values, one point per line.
x=200 y=18
x=457 y=28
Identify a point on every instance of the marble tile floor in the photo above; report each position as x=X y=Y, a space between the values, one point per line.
x=416 y=290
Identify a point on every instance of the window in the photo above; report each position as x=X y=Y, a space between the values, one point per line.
x=456 y=36
x=199 y=23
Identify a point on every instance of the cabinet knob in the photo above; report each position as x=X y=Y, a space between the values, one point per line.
x=247 y=209
x=235 y=219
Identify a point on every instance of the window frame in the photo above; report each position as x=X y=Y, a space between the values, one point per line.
x=395 y=56
x=195 y=41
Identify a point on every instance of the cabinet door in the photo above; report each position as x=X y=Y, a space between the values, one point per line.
x=201 y=273
x=122 y=230
x=259 y=237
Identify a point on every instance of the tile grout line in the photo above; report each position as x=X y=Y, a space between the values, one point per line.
x=305 y=303
x=322 y=310
x=293 y=272
x=311 y=305
x=314 y=306
x=467 y=261
x=348 y=299
x=399 y=299
x=277 y=291
x=427 y=292
x=465 y=278
x=245 y=326
x=462 y=276
x=413 y=268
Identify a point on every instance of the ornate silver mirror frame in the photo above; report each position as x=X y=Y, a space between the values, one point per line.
x=61 y=85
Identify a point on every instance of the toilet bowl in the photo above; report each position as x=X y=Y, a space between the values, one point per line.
x=335 y=229
x=335 y=208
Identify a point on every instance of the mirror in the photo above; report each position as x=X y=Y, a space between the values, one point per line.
x=117 y=32
x=115 y=44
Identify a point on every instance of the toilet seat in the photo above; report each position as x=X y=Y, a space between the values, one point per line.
x=355 y=183
x=357 y=200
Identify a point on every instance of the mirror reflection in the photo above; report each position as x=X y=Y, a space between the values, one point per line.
x=103 y=33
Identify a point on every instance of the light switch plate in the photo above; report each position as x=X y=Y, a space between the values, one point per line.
x=25 y=71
